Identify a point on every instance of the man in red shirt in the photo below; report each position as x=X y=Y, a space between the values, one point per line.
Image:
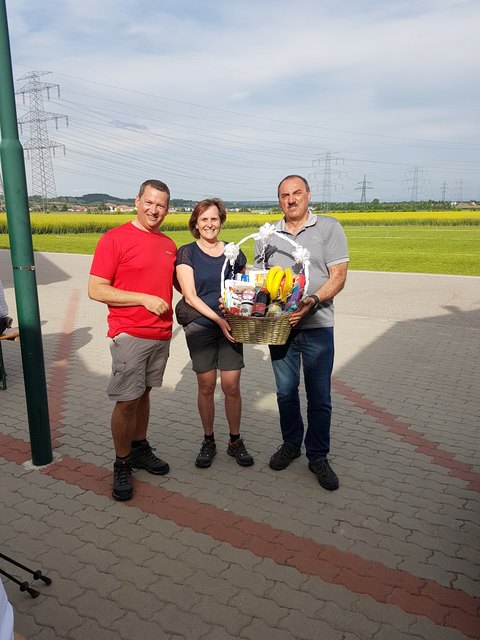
x=132 y=272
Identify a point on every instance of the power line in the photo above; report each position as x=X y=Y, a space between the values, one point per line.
x=39 y=145
x=211 y=108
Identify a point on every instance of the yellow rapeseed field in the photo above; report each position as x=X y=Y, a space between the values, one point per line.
x=42 y=223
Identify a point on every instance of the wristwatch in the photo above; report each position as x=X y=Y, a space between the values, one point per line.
x=316 y=299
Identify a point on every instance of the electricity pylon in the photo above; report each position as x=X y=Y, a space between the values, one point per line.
x=365 y=185
x=39 y=145
x=415 y=175
x=326 y=183
x=444 y=191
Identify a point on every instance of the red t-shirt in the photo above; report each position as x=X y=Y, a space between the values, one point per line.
x=136 y=260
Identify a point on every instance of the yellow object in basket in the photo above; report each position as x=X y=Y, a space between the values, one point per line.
x=270 y=276
x=286 y=284
x=274 y=278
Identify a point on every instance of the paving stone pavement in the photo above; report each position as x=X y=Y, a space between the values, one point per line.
x=231 y=552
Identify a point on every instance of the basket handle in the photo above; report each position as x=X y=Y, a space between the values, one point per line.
x=232 y=249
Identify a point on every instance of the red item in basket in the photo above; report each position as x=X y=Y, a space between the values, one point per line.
x=260 y=304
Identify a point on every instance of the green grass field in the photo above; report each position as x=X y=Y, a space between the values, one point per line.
x=443 y=249
x=447 y=250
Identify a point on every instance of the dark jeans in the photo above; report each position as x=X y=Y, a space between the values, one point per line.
x=314 y=349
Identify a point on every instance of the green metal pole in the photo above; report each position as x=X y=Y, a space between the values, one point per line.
x=21 y=251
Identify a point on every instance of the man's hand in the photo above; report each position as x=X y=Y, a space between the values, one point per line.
x=304 y=308
x=155 y=305
x=100 y=289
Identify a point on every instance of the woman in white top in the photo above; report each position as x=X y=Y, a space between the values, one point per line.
x=6 y=616
x=5 y=321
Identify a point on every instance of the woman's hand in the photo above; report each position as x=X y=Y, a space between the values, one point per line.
x=221 y=306
x=225 y=327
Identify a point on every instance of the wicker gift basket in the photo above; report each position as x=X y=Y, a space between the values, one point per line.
x=268 y=329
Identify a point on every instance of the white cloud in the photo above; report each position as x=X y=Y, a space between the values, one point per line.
x=237 y=97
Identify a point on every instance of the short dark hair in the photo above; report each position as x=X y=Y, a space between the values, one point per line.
x=155 y=184
x=200 y=208
x=294 y=175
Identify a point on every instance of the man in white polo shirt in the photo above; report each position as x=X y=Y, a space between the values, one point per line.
x=310 y=343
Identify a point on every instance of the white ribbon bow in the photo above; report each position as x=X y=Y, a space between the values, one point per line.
x=231 y=252
x=300 y=254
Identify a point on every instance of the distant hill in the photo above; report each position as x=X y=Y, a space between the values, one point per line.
x=101 y=198
x=91 y=198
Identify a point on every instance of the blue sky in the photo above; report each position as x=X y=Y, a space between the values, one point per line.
x=225 y=98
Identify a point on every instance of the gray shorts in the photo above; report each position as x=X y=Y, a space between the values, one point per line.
x=209 y=349
x=137 y=363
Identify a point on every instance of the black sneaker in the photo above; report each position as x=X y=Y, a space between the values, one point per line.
x=122 y=480
x=284 y=455
x=238 y=451
x=326 y=476
x=143 y=458
x=208 y=451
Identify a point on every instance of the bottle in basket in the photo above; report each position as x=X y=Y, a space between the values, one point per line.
x=246 y=306
x=260 y=304
x=274 y=309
